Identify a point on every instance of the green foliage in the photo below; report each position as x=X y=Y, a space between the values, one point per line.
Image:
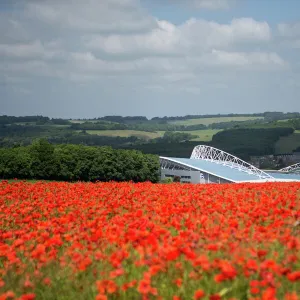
x=297 y=149
x=120 y=119
x=176 y=137
x=288 y=144
x=27 y=119
x=235 y=124
x=167 y=180
x=246 y=142
x=44 y=164
x=274 y=116
x=142 y=126
x=60 y=122
x=42 y=160
x=242 y=138
x=294 y=123
x=98 y=126
x=183 y=149
x=187 y=117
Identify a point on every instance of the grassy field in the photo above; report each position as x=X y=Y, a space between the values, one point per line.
x=208 y=121
x=285 y=120
x=288 y=143
x=203 y=135
x=77 y=121
x=127 y=133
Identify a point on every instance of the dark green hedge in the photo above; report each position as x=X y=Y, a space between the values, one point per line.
x=42 y=160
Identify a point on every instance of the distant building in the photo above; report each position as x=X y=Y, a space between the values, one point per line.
x=211 y=165
x=288 y=157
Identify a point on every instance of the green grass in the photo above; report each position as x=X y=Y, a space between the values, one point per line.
x=27 y=180
x=25 y=123
x=127 y=133
x=203 y=135
x=208 y=121
x=289 y=143
x=76 y=121
x=284 y=120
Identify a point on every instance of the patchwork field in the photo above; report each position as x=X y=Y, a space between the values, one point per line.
x=203 y=135
x=127 y=133
x=149 y=241
x=208 y=121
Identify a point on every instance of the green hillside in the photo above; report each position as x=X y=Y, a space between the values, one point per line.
x=208 y=121
x=287 y=144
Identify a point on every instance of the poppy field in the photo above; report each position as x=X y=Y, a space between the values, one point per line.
x=149 y=241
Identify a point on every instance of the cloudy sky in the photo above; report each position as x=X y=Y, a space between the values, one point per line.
x=75 y=58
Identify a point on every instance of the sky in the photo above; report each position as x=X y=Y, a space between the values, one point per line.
x=87 y=59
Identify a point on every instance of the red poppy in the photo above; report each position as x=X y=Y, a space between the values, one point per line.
x=199 y=294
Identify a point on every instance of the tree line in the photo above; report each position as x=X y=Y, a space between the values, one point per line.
x=42 y=160
x=246 y=142
x=241 y=142
x=147 y=126
x=268 y=116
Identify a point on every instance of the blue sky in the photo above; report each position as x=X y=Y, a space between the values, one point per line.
x=274 y=11
x=69 y=58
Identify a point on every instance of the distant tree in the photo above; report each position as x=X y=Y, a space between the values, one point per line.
x=44 y=165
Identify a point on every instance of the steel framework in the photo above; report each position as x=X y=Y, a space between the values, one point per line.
x=221 y=157
x=292 y=169
x=171 y=165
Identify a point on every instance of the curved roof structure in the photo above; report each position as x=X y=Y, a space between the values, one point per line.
x=217 y=156
x=212 y=168
x=292 y=169
x=220 y=164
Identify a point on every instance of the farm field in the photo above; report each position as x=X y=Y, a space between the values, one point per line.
x=208 y=121
x=204 y=135
x=287 y=144
x=127 y=133
x=149 y=241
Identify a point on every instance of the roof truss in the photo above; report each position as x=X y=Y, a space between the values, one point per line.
x=221 y=157
x=292 y=169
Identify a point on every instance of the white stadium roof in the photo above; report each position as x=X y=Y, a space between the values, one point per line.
x=224 y=165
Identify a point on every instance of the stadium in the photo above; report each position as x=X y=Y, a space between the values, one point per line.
x=211 y=165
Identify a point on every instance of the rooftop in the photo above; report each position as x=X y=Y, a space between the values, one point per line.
x=230 y=173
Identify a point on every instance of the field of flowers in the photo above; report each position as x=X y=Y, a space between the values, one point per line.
x=149 y=241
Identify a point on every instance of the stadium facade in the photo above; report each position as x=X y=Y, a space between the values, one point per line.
x=210 y=165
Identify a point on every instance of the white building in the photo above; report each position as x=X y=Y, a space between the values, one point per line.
x=211 y=165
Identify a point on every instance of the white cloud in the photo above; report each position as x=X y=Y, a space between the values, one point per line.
x=246 y=59
x=31 y=50
x=12 y=30
x=167 y=50
x=104 y=16
x=289 y=30
x=114 y=43
x=192 y=36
